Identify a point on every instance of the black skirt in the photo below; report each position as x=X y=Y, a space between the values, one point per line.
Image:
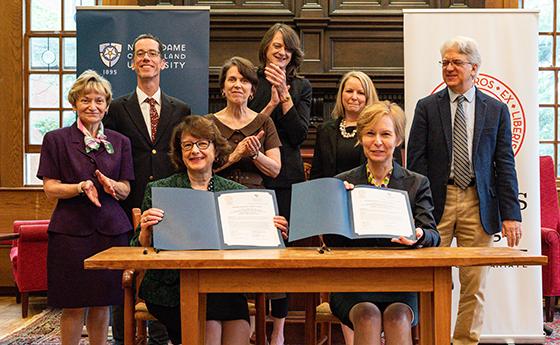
x=72 y=286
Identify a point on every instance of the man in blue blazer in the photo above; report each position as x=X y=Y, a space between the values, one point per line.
x=461 y=140
x=149 y=127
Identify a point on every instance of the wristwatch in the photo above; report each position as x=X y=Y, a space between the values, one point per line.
x=255 y=156
x=80 y=190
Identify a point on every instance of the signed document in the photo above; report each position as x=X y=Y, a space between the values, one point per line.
x=197 y=219
x=324 y=206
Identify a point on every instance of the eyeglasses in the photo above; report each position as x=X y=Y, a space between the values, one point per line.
x=201 y=144
x=151 y=53
x=454 y=62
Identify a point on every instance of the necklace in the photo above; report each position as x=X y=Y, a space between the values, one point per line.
x=211 y=184
x=344 y=132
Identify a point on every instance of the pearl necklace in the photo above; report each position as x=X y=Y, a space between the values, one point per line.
x=344 y=133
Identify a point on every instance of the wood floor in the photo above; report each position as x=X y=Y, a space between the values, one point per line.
x=10 y=312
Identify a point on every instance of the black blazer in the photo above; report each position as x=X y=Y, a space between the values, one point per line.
x=292 y=127
x=430 y=151
x=324 y=153
x=151 y=160
x=420 y=198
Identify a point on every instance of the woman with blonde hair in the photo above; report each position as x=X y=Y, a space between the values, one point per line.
x=336 y=147
x=380 y=129
x=87 y=169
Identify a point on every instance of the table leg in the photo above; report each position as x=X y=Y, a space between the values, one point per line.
x=193 y=324
x=311 y=319
x=426 y=322
x=442 y=306
x=260 y=318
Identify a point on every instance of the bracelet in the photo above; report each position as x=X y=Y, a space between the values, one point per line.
x=256 y=155
x=286 y=99
x=80 y=190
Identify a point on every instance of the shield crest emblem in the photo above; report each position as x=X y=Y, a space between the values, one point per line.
x=110 y=53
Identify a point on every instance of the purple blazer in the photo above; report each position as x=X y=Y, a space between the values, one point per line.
x=63 y=157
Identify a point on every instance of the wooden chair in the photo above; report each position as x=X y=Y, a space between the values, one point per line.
x=135 y=311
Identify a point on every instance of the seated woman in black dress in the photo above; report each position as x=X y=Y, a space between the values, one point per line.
x=380 y=129
x=196 y=146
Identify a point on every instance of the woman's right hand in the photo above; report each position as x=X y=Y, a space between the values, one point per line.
x=149 y=218
x=247 y=147
x=91 y=192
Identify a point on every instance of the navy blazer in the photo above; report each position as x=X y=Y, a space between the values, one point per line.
x=419 y=196
x=430 y=152
x=151 y=160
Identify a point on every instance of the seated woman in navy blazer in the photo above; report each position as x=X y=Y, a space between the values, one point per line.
x=380 y=129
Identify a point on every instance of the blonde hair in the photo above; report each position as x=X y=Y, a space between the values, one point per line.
x=374 y=112
x=87 y=82
x=367 y=85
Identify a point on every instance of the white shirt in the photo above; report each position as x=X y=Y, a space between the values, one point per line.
x=468 y=107
x=145 y=106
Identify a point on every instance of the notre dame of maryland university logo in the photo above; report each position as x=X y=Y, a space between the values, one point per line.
x=110 y=53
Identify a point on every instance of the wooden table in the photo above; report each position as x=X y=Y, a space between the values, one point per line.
x=426 y=270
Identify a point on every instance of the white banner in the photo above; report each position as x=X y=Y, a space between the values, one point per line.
x=508 y=44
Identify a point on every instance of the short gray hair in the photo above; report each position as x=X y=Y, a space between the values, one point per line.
x=464 y=45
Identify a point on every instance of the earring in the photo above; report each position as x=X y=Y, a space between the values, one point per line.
x=251 y=97
x=223 y=94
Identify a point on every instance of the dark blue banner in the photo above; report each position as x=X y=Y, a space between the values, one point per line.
x=104 y=43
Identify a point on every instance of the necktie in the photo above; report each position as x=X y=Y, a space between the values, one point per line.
x=154 y=117
x=461 y=162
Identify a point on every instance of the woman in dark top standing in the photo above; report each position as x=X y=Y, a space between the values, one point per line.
x=286 y=97
x=87 y=169
x=380 y=129
x=335 y=149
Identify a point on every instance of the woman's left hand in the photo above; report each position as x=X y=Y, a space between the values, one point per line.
x=406 y=241
x=282 y=224
x=107 y=183
x=277 y=77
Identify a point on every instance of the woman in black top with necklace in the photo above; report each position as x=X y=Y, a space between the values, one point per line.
x=335 y=148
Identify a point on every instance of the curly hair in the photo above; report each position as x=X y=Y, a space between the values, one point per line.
x=200 y=127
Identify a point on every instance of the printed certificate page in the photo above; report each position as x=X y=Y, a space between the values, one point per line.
x=381 y=212
x=246 y=219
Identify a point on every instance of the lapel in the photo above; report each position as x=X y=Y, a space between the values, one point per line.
x=445 y=117
x=479 y=119
x=167 y=109
x=332 y=139
x=396 y=181
x=133 y=109
x=77 y=139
